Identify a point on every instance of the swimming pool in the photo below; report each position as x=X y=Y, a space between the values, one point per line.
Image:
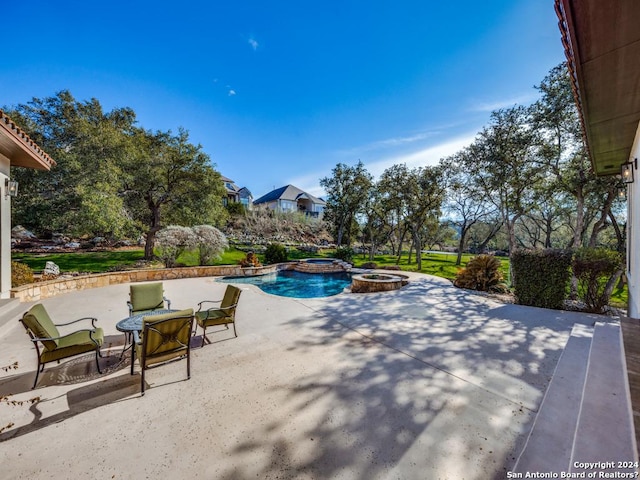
x=289 y=283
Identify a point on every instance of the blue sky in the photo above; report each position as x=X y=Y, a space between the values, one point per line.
x=279 y=92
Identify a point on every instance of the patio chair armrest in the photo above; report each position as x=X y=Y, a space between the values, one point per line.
x=93 y=321
x=168 y=302
x=136 y=337
x=223 y=309
x=130 y=305
x=229 y=307
x=38 y=339
x=207 y=301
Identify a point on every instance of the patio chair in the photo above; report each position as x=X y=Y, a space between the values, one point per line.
x=147 y=297
x=164 y=337
x=42 y=330
x=222 y=315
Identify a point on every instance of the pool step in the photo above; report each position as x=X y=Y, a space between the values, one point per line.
x=586 y=410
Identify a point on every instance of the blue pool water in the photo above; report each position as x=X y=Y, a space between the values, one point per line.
x=289 y=283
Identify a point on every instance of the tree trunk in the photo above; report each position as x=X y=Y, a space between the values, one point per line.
x=601 y=224
x=400 y=247
x=418 y=244
x=372 y=246
x=494 y=231
x=608 y=289
x=577 y=234
x=547 y=240
x=154 y=226
x=620 y=235
x=463 y=237
x=148 y=244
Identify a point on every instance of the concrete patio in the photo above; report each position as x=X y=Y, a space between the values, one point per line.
x=425 y=382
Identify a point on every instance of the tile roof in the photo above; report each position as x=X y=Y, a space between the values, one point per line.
x=16 y=145
x=288 y=192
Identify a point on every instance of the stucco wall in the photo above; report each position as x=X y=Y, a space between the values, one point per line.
x=633 y=234
x=5 y=230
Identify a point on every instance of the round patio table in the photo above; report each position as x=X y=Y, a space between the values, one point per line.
x=134 y=324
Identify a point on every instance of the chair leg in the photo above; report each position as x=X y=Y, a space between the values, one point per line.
x=204 y=335
x=133 y=353
x=142 y=382
x=188 y=365
x=97 y=362
x=234 y=329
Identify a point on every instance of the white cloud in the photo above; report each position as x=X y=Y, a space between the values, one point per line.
x=524 y=99
x=253 y=43
x=388 y=143
x=231 y=92
x=420 y=158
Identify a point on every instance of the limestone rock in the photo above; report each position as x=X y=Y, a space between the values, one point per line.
x=51 y=268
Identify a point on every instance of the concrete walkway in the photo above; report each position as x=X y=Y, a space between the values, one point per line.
x=425 y=382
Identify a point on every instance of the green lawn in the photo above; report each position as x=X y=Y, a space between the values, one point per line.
x=94 y=262
x=97 y=262
x=440 y=265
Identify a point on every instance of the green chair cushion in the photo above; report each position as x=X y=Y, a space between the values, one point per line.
x=38 y=321
x=231 y=296
x=188 y=312
x=208 y=318
x=171 y=342
x=147 y=297
x=74 y=344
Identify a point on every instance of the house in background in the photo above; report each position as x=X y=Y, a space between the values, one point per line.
x=236 y=194
x=292 y=199
x=16 y=150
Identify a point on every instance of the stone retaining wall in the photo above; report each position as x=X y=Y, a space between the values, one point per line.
x=37 y=291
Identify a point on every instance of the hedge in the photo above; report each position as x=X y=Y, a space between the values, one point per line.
x=541 y=277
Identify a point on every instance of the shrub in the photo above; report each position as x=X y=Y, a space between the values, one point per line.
x=21 y=274
x=482 y=273
x=275 y=253
x=172 y=241
x=251 y=260
x=541 y=277
x=235 y=208
x=344 y=253
x=211 y=243
x=597 y=270
x=369 y=265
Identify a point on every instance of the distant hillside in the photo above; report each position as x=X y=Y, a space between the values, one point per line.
x=262 y=227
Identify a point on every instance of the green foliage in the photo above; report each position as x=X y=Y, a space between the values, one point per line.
x=275 y=253
x=112 y=177
x=235 y=208
x=95 y=262
x=596 y=270
x=250 y=260
x=541 y=277
x=172 y=241
x=347 y=189
x=344 y=253
x=482 y=273
x=89 y=147
x=21 y=274
x=211 y=243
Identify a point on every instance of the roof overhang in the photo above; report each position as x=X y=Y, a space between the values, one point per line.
x=19 y=148
x=602 y=45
